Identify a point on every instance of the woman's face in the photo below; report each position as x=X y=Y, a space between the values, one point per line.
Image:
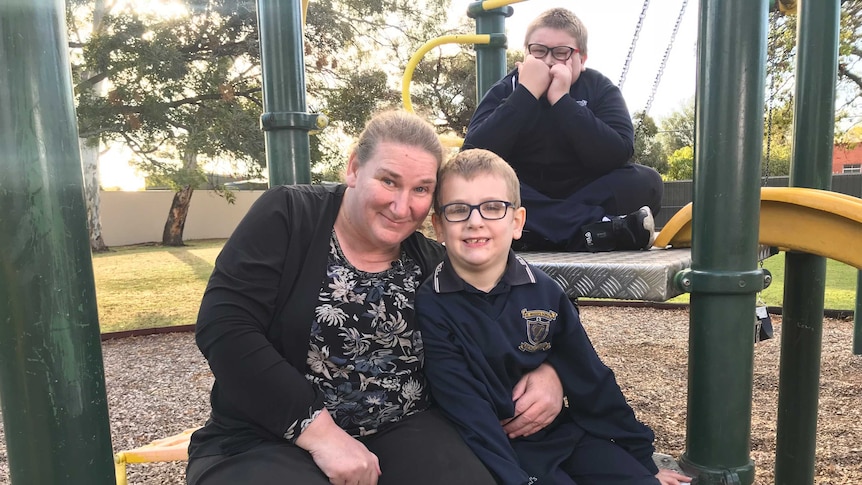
x=392 y=192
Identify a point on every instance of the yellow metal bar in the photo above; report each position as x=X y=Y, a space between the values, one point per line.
x=414 y=61
x=492 y=4
x=813 y=221
x=172 y=448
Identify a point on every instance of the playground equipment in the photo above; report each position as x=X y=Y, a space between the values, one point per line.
x=50 y=361
x=813 y=221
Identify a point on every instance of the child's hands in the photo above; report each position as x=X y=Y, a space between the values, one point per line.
x=534 y=75
x=670 y=477
x=561 y=80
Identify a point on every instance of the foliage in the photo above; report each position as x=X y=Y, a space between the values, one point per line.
x=187 y=85
x=681 y=164
x=677 y=130
x=648 y=150
x=179 y=86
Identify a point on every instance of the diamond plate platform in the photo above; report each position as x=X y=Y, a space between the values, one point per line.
x=619 y=275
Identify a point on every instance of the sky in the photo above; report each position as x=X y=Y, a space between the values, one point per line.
x=611 y=27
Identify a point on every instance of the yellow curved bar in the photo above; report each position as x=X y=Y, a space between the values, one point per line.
x=492 y=4
x=813 y=221
x=304 y=9
x=414 y=61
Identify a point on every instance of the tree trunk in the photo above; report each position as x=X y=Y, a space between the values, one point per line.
x=90 y=156
x=173 y=234
x=90 y=166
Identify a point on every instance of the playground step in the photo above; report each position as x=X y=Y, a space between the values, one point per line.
x=175 y=448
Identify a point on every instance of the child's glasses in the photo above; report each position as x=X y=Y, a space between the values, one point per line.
x=490 y=210
x=560 y=53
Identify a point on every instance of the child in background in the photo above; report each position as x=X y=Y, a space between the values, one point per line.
x=568 y=134
x=487 y=317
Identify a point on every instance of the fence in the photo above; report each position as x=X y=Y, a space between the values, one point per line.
x=679 y=193
x=139 y=217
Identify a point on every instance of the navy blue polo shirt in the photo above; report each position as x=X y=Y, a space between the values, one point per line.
x=478 y=345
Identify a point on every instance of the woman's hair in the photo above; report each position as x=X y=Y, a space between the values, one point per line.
x=474 y=162
x=560 y=19
x=397 y=127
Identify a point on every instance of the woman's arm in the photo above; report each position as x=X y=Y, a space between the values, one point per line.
x=254 y=382
x=538 y=398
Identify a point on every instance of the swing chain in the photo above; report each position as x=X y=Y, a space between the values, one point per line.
x=639 y=129
x=665 y=57
x=634 y=43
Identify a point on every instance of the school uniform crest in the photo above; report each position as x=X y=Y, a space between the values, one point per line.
x=538 y=327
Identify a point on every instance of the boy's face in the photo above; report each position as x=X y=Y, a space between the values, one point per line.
x=477 y=244
x=557 y=38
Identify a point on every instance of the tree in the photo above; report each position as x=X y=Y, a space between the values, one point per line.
x=648 y=151
x=185 y=89
x=677 y=130
x=89 y=146
x=681 y=164
x=183 y=84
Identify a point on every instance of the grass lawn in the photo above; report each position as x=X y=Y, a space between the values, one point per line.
x=840 y=285
x=153 y=286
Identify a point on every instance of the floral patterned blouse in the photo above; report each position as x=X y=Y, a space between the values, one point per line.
x=365 y=352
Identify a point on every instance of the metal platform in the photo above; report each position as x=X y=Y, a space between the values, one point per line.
x=619 y=275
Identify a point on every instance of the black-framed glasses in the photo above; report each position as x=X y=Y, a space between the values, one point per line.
x=560 y=53
x=490 y=210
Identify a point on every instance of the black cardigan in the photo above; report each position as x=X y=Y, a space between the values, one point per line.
x=255 y=318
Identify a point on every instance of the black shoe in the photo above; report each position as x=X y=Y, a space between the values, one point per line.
x=629 y=232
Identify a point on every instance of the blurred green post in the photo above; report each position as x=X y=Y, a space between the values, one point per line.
x=284 y=120
x=52 y=383
x=724 y=278
x=805 y=274
x=490 y=58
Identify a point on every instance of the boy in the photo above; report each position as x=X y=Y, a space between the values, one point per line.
x=567 y=132
x=486 y=317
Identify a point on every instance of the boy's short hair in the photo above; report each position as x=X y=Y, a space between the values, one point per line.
x=474 y=162
x=560 y=19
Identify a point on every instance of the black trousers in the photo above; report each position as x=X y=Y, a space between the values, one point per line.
x=423 y=449
x=555 y=224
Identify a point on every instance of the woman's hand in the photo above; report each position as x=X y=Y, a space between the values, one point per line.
x=538 y=398
x=343 y=459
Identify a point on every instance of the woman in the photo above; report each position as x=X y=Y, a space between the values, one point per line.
x=308 y=327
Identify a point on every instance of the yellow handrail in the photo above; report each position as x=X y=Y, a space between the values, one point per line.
x=492 y=4
x=414 y=61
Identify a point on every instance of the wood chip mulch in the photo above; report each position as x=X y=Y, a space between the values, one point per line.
x=159 y=385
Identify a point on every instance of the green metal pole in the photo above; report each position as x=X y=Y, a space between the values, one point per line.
x=805 y=274
x=284 y=120
x=725 y=277
x=490 y=58
x=857 y=320
x=52 y=384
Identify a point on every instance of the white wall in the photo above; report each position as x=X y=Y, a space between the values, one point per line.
x=139 y=217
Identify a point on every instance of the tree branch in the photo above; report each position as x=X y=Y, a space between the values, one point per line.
x=855 y=78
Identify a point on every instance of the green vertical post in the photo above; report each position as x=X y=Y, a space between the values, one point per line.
x=805 y=274
x=284 y=119
x=490 y=58
x=725 y=278
x=857 y=317
x=52 y=384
